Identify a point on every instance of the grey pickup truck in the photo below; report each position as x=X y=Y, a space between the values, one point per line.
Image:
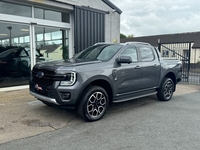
x=103 y=74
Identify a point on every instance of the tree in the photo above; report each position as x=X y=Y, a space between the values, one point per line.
x=130 y=36
x=122 y=36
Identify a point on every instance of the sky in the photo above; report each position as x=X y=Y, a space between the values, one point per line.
x=156 y=17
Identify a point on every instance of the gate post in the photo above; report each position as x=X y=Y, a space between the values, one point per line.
x=189 y=56
x=159 y=45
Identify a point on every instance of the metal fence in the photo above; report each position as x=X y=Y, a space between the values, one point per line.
x=183 y=51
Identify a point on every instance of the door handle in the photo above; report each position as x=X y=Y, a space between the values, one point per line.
x=155 y=65
x=137 y=67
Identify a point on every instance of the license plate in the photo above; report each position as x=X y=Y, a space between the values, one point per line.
x=38 y=87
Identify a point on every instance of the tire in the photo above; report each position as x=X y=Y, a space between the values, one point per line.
x=165 y=92
x=93 y=104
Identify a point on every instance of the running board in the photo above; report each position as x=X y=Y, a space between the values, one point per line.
x=135 y=97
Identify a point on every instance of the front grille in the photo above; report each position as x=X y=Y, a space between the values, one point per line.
x=47 y=77
x=46 y=80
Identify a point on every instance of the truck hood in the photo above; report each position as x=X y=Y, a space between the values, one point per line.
x=53 y=65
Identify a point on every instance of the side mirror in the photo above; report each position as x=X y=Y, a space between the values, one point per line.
x=124 y=59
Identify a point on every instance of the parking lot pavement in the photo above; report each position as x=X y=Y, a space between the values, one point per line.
x=21 y=115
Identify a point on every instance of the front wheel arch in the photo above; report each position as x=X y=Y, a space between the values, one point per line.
x=102 y=82
x=170 y=75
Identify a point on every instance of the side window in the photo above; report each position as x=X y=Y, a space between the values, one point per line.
x=146 y=54
x=23 y=53
x=132 y=52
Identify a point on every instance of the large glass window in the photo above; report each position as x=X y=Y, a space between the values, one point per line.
x=15 y=48
x=15 y=9
x=52 y=43
x=14 y=58
x=51 y=15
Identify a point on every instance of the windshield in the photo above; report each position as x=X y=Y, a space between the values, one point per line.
x=8 y=53
x=98 y=52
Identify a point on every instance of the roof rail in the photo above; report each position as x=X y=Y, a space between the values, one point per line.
x=106 y=43
x=103 y=43
x=144 y=43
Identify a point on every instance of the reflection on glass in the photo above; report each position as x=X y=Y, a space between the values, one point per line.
x=47 y=36
x=21 y=39
x=39 y=37
x=51 y=15
x=15 y=9
x=56 y=35
x=14 y=58
x=5 y=42
x=39 y=13
x=52 y=46
x=26 y=39
x=16 y=40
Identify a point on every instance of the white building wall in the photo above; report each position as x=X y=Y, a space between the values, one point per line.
x=197 y=55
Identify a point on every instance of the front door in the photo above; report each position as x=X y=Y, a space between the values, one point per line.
x=129 y=75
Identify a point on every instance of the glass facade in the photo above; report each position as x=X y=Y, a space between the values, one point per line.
x=51 y=15
x=14 y=56
x=50 y=43
x=15 y=9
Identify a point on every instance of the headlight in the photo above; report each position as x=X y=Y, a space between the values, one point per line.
x=70 y=79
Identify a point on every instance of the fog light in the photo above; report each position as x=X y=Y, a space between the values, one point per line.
x=65 y=95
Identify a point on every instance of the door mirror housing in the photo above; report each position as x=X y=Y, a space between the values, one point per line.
x=124 y=59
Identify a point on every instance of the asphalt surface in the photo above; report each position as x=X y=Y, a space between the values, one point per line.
x=141 y=124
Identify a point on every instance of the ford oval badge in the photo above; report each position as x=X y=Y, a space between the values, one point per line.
x=40 y=74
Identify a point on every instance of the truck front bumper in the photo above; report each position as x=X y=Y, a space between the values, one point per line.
x=56 y=94
x=44 y=98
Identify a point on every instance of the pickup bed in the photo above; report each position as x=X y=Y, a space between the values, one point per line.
x=102 y=74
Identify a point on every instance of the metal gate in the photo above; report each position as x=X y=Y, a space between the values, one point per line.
x=182 y=51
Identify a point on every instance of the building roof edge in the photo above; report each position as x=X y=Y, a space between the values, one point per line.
x=113 y=6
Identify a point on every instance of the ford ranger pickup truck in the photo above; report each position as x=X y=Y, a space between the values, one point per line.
x=103 y=74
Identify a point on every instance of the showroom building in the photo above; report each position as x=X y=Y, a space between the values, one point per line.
x=46 y=30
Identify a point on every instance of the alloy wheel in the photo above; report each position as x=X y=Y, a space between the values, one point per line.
x=96 y=104
x=168 y=90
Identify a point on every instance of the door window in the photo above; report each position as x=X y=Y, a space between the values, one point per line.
x=132 y=52
x=146 y=54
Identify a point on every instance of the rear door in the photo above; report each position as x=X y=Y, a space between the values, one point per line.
x=150 y=67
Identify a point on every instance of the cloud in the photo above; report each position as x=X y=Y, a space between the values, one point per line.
x=154 y=17
x=174 y=8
